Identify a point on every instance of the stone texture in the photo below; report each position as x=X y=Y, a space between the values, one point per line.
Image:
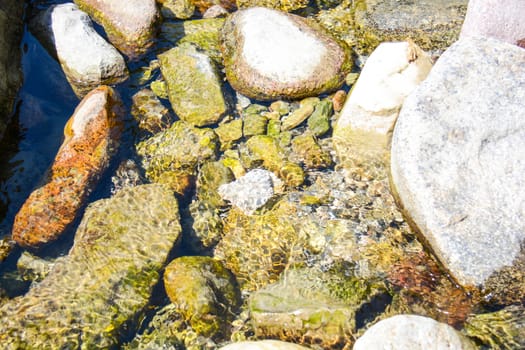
x=11 y=29
x=457 y=162
x=412 y=332
x=281 y=5
x=98 y=293
x=263 y=345
x=432 y=24
x=499 y=19
x=86 y=58
x=204 y=292
x=129 y=24
x=91 y=138
x=172 y=9
x=149 y=113
x=251 y=191
x=270 y=54
x=194 y=85
x=366 y=121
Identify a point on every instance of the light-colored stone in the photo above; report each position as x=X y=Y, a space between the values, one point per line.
x=86 y=58
x=181 y=9
x=194 y=86
x=263 y=345
x=251 y=191
x=390 y=74
x=500 y=19
x=412 y=332
x=457 y=158
x=269 y=54
x=129 y=24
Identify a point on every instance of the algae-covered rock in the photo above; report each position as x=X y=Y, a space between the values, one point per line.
x=204 y=292
x=263 y=345
x=128 y=174
x=229 y=132
x=319 y=120
x=296 y=117
x=431 y=24
x=96 y=294
x=181 y=9
x=310 y=153
x=312 y=307
x=194 y=86
x=339 y=21
x=269 y=54
x=33 y=268
x=256 y=248
x=91 y=139
x=212 y=176
x=254 y=124
x=129 y=24
x=206 y=223
x=267 y=149
x=282 y=5
x=201 y=33
x=503 y=329
x=181 y=147
x=149 y=113
x=11 y=29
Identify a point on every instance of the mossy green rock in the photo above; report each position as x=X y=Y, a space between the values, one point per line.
x=11 y=29
x=194 y=86
x=229 y=132
x=204 y=291
x=181 y=9
x=202 y=33
x=211 y=176
x=311 y=307
x=267 y=149
x=309 y=151
x=149 y=113
x=431 y=24
x=181 y=147
x=339 y=21
x=95 y=295
x=319 y=121
x=254 y=124
x=282 y=5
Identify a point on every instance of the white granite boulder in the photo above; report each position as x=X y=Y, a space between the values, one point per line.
x=86 y=58
x=500 y=19
x=412 y=332
x=457 y=158
x=270 y=54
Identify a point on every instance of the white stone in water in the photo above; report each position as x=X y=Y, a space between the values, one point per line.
x=390 y=74
x=263 y=345
x=251 y=191
x=458 y=158
x=282 y=51
x=412 y=332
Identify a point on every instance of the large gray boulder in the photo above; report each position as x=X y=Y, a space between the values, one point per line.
x=412 y=332
x=500 y=19
x=95 y=295
x=457 y=158
x=11 y=28
x=86 y=58
x=269 y=54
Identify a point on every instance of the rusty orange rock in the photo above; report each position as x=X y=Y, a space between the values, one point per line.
x=91 y=138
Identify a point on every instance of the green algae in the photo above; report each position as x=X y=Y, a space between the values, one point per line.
x=181 y=147
x=310 y=153
x=95 y=295
x=254 y=124
x=282 y=5
x=194 y=86
x=229 y=132
x=319 y=121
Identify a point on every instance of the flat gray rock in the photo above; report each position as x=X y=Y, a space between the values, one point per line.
x=412 y=332
x=458 y=160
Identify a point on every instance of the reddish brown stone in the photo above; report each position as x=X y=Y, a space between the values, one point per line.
x=203 y=5
x=91 y=137
x=521 y=43
x=338 y=100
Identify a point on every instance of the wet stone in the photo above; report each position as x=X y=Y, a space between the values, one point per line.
x=229 y=132
x=150 y=114
x=319 y=121
x=310 y=153
x=91 y=139
x=177 y=9
x=254 y=124
x=282 y=5
x=97 y=292
x=263 y=345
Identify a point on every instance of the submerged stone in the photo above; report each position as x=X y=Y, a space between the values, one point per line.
x=86 y=58
x=181 y=9
x=181 y=147
x=270 y=54
x=129 y=24
x=412 y=332
x=95 y=296
x=310 y=153
x=457 y=164
x=149 y=113
x=194 y=86
x=431 y=24
x=282 y=5
x=91 y=139
x=204 y=292
x=319 y=121
x=263 y=345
